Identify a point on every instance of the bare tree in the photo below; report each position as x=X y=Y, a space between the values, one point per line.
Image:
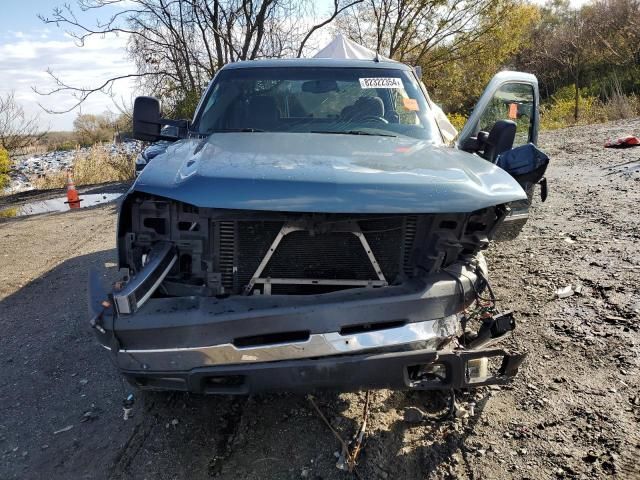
x=425 y=32
x=615 y=25
x=178 y=45
x=338 y=8
x=566 y=45
x=17 y=129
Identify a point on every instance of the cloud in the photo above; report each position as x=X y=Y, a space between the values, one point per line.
x=26 y=56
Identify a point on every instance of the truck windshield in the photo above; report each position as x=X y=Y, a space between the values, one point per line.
x=363 y=101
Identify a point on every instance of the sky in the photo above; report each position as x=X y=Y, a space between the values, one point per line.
x=28 y=47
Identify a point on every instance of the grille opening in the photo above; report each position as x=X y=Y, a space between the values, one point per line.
x=308 y=289
x=429 y=373
x=185 y=263
x=224 y=381
x=227 y=253
x=334 y=255
x=156 y=224
x=370 y=327
x=475 y=226
x=271 y=339
x=189 y=226
x=166 y=383
x=187 y=208
x=324 y=255
x=449 y=225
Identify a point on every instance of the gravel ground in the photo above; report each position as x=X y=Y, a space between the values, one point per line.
x=573 y=411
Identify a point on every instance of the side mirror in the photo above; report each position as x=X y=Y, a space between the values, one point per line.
x=146 y=119
x=475 y=144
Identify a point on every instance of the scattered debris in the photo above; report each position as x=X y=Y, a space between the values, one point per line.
x=88 y=416
x=623 y=142
x=347 y=458
x=565 y=292
x=626 y=169
x=127 y=406
x=359 y=437
x=62 y=430
x=413 y=415
x=27 y=168
x=345 y=449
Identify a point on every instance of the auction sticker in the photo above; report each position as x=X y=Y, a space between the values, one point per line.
x=411 y=104
x=381 y=82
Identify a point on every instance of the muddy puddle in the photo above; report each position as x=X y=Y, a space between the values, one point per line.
x=627 y=169
x=57 y=205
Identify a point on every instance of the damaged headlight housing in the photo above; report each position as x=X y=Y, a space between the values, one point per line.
x=139 y=289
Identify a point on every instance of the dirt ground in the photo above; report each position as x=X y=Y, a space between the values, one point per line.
x=573 y=411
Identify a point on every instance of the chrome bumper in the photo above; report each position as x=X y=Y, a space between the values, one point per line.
x=427 y=336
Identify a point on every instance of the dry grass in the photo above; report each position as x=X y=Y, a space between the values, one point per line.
x=559 y=113
x=94 y=166
x=8 y=212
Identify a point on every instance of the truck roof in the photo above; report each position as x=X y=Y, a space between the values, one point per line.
x=315 y=62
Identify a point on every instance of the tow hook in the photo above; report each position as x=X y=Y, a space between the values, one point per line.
x=96 y=321
x=493 y=329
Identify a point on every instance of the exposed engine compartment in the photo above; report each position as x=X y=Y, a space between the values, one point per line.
x=239 y=252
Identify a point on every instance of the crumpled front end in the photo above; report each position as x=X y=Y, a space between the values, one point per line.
x=227 y=301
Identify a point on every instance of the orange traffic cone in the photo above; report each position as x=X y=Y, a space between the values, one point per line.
x=73 y=198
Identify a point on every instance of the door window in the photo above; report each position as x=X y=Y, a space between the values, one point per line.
x=512 y=101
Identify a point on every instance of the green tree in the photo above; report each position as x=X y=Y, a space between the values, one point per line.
x=90 y=128
x=458 y=83
x=5 y=166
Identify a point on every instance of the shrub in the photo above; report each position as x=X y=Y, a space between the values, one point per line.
x=620 y=106
x=457 y=120
x=5 y=166
x=559 y=111
x=9 y=212
x=67 y=146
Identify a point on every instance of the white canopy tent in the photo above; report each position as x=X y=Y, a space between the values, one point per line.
x=342 y=47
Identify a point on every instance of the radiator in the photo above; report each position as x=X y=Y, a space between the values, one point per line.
x=321 y=254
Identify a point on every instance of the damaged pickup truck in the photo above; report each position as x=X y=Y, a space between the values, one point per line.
x=310 y=228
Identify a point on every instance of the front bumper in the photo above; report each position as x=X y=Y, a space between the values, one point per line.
x=185 y=322
x=363 y=338
x=396 y=371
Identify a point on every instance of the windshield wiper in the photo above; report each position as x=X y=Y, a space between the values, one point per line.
x=354 y=132
x=226 y=130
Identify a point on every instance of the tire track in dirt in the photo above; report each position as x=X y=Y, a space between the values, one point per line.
x=227 y=436
x=136 y=441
